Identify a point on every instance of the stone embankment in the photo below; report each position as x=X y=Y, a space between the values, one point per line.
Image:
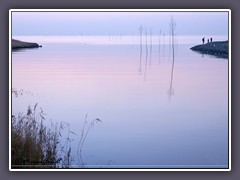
x=20 y=44
x=218 y=48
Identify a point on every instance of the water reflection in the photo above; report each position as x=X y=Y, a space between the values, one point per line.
x=172 y=29
x=103 y=81
x=171 y=90
x=163 y=44
x=146 y=59
x=140 y=62
x=159 y=46
x=150 y=44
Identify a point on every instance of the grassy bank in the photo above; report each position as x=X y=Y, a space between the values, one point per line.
x=20 y=44
x=218 y=48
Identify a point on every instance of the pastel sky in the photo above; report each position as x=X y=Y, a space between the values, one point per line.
x=125 y=23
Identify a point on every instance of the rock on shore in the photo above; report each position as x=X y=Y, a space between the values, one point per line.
x=218 y=48
x=20 y=44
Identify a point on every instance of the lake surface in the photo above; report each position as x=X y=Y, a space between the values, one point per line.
x=154 y=114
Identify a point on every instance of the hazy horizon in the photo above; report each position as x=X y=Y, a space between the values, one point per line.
x=117 y=23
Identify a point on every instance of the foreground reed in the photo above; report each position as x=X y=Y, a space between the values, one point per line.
x=33 y=144
x=36 y=144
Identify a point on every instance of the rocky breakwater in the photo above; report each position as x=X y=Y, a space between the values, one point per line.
x=16 y=44
x=218 y=48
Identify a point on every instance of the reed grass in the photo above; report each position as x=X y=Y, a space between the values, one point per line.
x=84 y=133
x=33 y=144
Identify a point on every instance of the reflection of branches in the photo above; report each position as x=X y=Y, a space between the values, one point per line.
x=169 y=50
x=145 y=72
x=163 y=43
x=170 y=90
x=146 y=42
x=176 y=37
x=140 y=63
x=172 y=29
x=150 y=46
x=159 y=47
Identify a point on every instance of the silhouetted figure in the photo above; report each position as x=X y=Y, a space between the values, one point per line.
x=211 y=39
x=203 y=39
x=207 y=40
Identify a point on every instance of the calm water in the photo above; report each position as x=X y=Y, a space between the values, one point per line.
x=151 y=116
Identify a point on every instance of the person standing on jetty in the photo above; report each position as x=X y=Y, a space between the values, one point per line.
x=203 y=39
x=210 y=39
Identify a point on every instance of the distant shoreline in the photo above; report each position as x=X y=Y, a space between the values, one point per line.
x=218 y=48
x=16 y=44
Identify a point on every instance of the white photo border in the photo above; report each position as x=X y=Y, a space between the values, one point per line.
x=122 y=10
